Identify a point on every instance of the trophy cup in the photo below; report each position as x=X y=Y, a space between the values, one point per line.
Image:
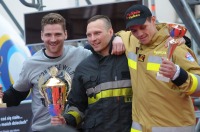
x=55 y=92
x=176 y=32
x=2 y=105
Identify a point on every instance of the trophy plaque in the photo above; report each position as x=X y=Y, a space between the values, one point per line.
x=2 y=105
x=175 y=31
x=55 y=93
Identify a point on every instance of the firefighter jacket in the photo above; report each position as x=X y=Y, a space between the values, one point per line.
x=159 y=106
x=101 y=95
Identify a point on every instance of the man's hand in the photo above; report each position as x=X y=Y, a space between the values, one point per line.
x=2 y=105
x=179 y=40
x=167 y=68
x=58 y=120
x=118 y=47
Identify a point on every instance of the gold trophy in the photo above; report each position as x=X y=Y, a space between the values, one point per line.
x=55 y=92
x=176 y=32
x=2 y=105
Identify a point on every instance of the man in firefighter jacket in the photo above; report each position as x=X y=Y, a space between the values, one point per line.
x=159 y=106
x=101 y=91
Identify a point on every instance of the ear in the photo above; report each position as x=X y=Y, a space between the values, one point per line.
x=111 y=31
x=153 y=19
x=66 y=34
x=41 y=35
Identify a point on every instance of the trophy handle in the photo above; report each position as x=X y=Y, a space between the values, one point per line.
x=40 y=83
x=171 y=48
x=69 y=81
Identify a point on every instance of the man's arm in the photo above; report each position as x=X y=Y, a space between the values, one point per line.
x=13 y=97
x=118 y=46
x=186 y=73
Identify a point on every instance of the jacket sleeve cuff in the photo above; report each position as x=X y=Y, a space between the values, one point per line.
x=70 y=120
x=183 y=76
x=13 y=97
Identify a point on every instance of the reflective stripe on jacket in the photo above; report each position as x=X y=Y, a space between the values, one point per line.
x=136 y=127
x=110 y=89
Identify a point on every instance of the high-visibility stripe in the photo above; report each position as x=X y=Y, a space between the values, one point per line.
x=136 y=127
x=198 y=84
x=194 y=84
x=155 y=59
x=132 y=56
x=174 y=129
x=153 y=63
x=134 y=130
x=153 y=66
x=72 y=108
x=132 y=64
x=75 y=115
x=109 y=85
x=110 y=93
x=132 y=60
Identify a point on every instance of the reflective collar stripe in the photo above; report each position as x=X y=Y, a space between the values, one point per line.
x=195 y=85
x=132 y=60
x=136 y=127
x=75 y=115
x=110 y=93
x=108 y=85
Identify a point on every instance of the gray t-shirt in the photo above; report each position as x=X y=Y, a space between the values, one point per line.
x=35 y=73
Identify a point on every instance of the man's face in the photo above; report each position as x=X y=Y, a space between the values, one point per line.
x=144 y=33
x=53 y=36
x=98 y=36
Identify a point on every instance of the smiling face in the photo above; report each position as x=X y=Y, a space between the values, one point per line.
x=53 y=36
x=99 y=35
x=144 y=33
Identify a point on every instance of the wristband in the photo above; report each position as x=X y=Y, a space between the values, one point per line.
x=177 y=72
